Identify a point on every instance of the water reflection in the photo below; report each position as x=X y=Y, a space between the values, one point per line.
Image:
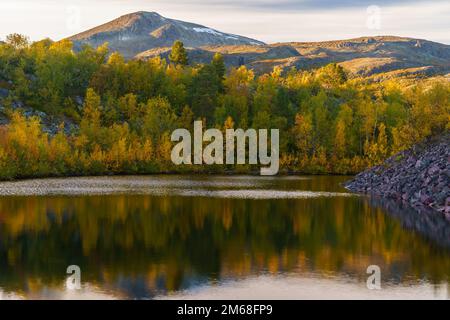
x=139 y=244
x=431 y=224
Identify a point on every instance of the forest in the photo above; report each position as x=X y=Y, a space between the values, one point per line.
x=116 y=116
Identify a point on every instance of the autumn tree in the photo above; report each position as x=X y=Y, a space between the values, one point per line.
x=119 y=114
x=17 y=41
x=342 y=134
x=159 y=119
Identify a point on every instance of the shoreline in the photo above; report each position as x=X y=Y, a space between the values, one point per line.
x=373 y=196
x=239 y=187
x=180 y=173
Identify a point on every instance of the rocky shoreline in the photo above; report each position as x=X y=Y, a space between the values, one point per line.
x=419 y=176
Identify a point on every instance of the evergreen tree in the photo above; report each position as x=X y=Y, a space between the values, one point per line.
x=219 y=65
x=204 y=92
x=178 y=54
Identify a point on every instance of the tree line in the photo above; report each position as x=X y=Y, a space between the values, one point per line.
x=124 y=111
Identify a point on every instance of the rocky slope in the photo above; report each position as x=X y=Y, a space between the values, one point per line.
x=419 y=176
x=140 y=31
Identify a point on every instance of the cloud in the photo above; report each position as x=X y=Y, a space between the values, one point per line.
x=269 y=21
x=299 y=5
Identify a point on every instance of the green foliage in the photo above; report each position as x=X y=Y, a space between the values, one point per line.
x=178 y=54
x=219 y=65
x=126 y=111
x=204 y=91
x=159 y=118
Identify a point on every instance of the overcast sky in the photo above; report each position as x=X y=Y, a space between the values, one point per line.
x=269 y=21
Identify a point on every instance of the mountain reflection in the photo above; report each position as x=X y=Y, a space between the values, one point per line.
x=142 y=246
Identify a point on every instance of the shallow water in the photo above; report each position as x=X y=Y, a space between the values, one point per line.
x=199 y=237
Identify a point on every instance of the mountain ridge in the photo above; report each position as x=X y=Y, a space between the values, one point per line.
x=145 y=35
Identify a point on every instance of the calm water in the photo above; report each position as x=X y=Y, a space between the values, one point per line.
x=215 y=237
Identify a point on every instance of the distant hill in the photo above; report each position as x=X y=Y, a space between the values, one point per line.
x=140 y=31
x=372 y=55
x=144 y=35
x=367 y=56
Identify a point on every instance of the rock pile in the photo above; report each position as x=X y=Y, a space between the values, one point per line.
x=419 y=176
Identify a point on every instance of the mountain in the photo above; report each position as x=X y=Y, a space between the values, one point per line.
x=144 y=35
x=366 y=56
x=136 y=32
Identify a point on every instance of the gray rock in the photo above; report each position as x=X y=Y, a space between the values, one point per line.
x=421 y=178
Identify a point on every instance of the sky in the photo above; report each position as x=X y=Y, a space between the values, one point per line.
x=268 y=21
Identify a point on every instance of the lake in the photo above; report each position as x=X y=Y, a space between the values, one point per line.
x=215 y=237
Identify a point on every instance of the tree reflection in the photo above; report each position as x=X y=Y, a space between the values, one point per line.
x=145 y=245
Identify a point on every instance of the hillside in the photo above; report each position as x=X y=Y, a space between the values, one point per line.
x=65 y=112
x=364 y=56
x=140 y=31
